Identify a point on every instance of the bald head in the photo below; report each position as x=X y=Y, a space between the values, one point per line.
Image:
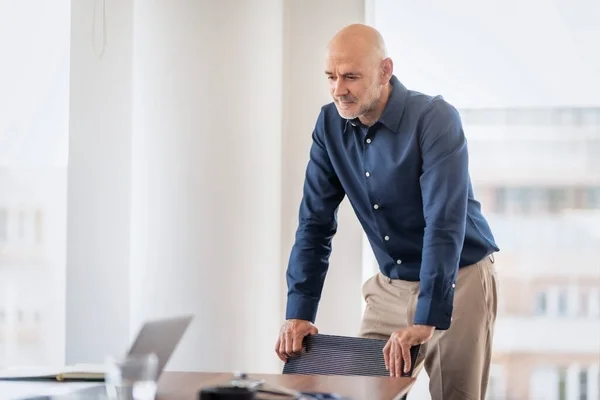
x=359 y=72
x=358 y=41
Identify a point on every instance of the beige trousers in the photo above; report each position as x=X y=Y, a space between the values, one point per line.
x=457 y=360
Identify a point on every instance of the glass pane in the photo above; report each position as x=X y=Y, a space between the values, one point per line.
x=534 y=159
x=33 y=167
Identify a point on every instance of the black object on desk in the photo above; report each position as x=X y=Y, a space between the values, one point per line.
x=226 y=393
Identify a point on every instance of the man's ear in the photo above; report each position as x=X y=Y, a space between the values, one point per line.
x=387 y=69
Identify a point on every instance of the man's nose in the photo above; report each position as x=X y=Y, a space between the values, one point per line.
x=339 y=88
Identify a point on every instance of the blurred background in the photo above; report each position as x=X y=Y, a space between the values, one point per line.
x=152 y=157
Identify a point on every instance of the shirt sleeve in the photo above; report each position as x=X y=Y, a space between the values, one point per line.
x=309 y=258
x=444 y=186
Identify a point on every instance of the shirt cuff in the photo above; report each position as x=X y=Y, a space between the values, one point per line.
x=434 y=312
x=300 y=307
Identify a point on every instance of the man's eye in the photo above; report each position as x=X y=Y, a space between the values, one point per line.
x=330 y=77
x=351 y=78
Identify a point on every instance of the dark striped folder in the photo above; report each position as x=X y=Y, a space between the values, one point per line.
x=342 y=355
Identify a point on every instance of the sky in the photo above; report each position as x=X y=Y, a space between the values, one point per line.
x=496 y=53
x=34 y=82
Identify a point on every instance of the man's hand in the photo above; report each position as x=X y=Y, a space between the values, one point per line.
x=398 y=347
x=291 y=335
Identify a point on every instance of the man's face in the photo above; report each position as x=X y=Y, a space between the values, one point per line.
x=353 y=84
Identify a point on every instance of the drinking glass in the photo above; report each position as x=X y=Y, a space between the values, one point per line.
x=131 y=378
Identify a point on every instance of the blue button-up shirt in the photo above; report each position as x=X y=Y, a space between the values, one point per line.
x=407 y=179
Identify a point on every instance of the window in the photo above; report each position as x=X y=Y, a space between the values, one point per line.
x=593 y=198
x=557 y=199
x=583 y=385
x=501 y=200
x=563 y=303
x=548 y=154
x=562 y=384
x=541 y=303
x=34 y=133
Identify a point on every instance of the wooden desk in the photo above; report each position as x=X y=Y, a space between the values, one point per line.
x=186 y=385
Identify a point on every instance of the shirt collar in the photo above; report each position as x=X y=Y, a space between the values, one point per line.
x=394 y=109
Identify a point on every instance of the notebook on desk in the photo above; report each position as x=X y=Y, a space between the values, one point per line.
x=159 y=336
x=76 y=372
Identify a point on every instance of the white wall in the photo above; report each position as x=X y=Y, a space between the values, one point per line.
x=185 y=180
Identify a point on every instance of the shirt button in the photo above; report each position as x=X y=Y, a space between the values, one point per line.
x=376 y=206
x=386 y=238
x=368 y=174
x=453 y=285
x=398 y=261
x=369 y=140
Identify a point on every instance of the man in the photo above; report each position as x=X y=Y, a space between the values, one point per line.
x=401 y=159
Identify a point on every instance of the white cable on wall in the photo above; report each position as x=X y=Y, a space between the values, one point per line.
x=99 y=52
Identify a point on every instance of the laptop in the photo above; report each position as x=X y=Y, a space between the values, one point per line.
x=160 y=336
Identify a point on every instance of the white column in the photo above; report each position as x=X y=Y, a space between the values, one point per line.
x=98 y=203
x=206 y=179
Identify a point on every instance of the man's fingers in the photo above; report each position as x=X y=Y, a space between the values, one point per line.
x=293 y=343
x=398 y=360
x=281 y=349
x=406 y=357
x=386 y=355
x=291 y=338
x=277 y=345
x=289 y=344
x=297 y=343
x=393 y=359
